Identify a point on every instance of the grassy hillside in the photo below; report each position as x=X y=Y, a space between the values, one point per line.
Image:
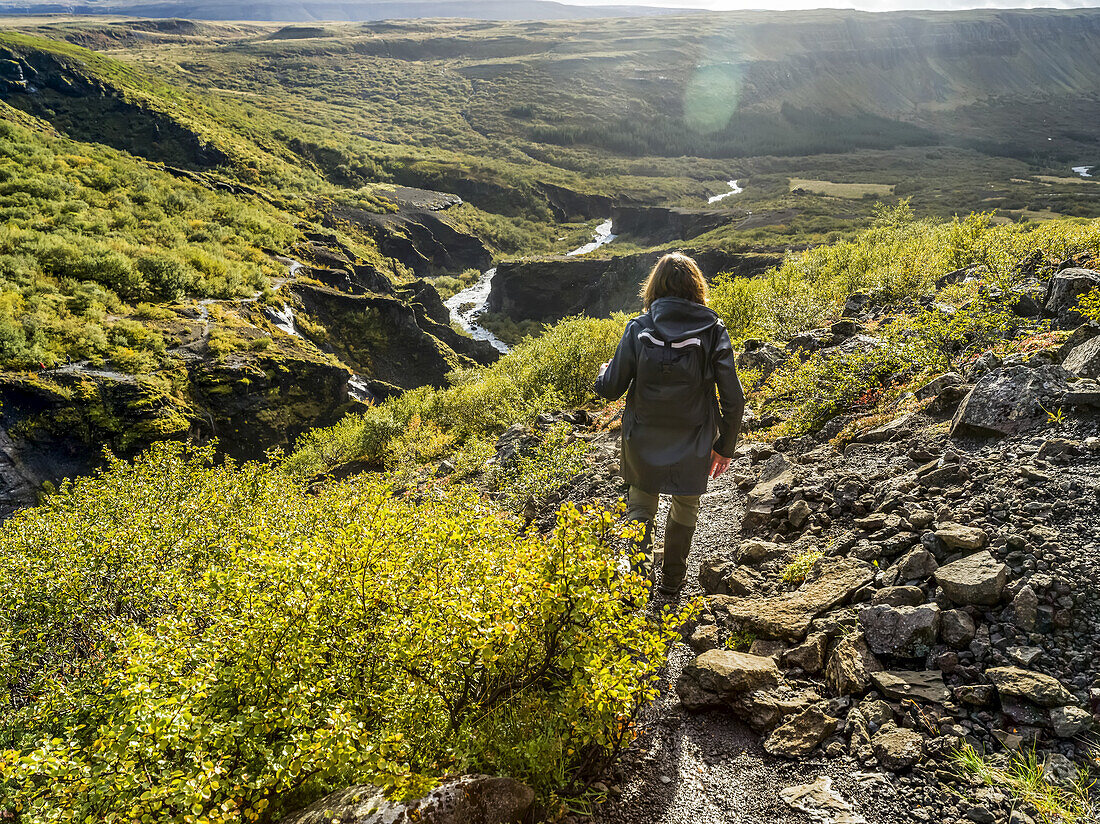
x=667 y=111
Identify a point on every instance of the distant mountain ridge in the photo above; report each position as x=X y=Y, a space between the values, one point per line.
x=335 y=10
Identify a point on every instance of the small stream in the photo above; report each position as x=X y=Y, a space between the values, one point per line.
x=359 y=389
x=1083 y=171
x=467 y=305
x=603 y=237
x=734 y=190
x=283 y=319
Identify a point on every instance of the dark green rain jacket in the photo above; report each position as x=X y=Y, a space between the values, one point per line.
x=683 y=397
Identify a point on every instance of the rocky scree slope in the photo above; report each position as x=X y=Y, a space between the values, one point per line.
x=948 y=596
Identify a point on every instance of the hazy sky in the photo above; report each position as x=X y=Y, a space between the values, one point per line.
x=865 y=5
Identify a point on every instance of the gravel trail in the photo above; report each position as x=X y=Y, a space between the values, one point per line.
x=690 y=768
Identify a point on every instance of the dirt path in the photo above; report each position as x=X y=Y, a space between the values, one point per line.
x=689 y=768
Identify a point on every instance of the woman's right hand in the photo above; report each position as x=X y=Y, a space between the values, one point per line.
x=718 y=464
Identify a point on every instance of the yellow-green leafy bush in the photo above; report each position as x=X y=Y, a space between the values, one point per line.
x=898 y=256
x=553 y=371
x=553 y=461
x=809 y=392
x=182 y=642
x=86 y=230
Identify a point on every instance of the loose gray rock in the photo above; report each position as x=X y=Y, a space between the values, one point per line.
x=1044 y=690
x=977 y=579
x=1009 y=400
x=797 y=513
x=897 y=748
x=1025 y=608
x=915 y=565
x=899 y=596
x=1084 y=359
x=905 y=631
x=809 y=656
x=923 y=686
x=821 y=802
x=957 y=536
x=1065 y=289
x=849 y=666
x=957 y=628
x=1068 y=722
x=719 y=676
x=798 y=736
x=787 y=617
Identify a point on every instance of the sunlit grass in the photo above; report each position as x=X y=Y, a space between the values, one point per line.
x=1025 y=779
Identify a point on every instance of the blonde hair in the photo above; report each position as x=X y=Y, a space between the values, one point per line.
x=674 y=276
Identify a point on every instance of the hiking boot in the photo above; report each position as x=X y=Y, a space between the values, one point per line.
x=674 y=568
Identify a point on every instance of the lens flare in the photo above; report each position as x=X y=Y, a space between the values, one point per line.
x=711 y=97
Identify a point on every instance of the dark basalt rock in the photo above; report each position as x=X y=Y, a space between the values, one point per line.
x=659 y=224
x=1063 y=292
x=57 y=89
x=379 y=336
x=550 y=289
x=567 y=204
x=420 y=238
x=1009 y=400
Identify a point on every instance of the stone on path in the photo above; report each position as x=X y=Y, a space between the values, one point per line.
x=897 y=748
x=1070 y=721
x=821 y=802
x=915 y=565
x=957 y=628
x=923 y=686
x=958 y=536
x=1044 y=690
x=787 y=617
x=977 y=579
x=796 y=737
x=719 y=676
x=905 y=631
x=849 y=666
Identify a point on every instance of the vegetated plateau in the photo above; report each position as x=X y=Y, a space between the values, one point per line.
x=278 y=525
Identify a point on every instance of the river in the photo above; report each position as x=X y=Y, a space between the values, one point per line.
x=734 y=190
x=603 y=237
x=466 y=306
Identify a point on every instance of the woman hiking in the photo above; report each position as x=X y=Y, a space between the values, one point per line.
x=683 y=407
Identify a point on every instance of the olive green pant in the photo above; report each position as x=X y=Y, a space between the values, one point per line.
x=642 y=506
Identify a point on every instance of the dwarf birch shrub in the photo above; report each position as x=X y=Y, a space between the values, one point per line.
x=188 y=643
x=553 y=371
x=898 y=257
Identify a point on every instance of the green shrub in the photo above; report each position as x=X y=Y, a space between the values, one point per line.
x=796 y=571
x=182 y=642
x=553 y=371
x=898 y=257
x=807 y=393
x=554 y=461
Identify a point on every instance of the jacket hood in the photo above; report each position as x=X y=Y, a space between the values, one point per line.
x=677 y=318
